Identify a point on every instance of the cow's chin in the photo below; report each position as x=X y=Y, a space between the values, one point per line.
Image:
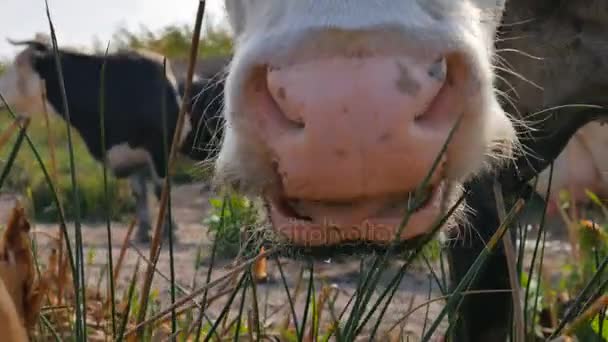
x=369 y=221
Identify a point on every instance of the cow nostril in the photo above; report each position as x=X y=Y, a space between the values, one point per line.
x=280 y=96
x=261 y=99
x=438 y=70
x=451 y=72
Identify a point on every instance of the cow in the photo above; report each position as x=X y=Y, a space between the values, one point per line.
x=140 y=90
x=397 y=75
x=335 y=111
x=551 y=71
x=582 y=166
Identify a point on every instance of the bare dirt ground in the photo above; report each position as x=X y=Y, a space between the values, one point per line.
x=190 y=207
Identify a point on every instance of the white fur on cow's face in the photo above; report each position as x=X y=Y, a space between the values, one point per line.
x=22 y=87
x=280 y=33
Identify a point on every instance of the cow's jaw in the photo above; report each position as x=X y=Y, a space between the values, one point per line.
x=378 y=220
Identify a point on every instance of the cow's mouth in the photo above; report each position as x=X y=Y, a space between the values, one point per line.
x=373 y=220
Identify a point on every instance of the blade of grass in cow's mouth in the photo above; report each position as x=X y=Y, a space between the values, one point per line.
x=373 y=220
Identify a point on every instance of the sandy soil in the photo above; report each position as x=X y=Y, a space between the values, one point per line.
x=190 y=207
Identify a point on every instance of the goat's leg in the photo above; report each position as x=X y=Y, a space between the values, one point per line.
x=140 y=192
x=169 y=225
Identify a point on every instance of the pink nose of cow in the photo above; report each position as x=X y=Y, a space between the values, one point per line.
x=356 y=131
x=367 y=126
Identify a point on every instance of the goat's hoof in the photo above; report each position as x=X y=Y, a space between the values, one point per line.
x=143 y=235
x=141 y=238
x=172 y=234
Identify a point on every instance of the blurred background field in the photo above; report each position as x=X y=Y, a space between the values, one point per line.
x=27 y=178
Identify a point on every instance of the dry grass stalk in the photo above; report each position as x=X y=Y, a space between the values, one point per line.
x=260 y=268
x=21 y=291
x=10 y=131
x=155 y=243
x=598 y=305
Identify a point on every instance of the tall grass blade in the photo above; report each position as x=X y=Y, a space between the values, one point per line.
x=309 y=293
x=364 y=278
x=9 y=131
x=123 y=249
x=14 y=152
x=514 y=281
x=53 y=190
x=226 y=308
x=47 y=324
x=598 y=305
x=442 y=267
x=188 y=298
x=523 y=236
x=394 y=284
x=125 y=315
x=289 y=297
x=335 y=327
x=539 y=277
x=50 y=140
x=80 y=276
x=426 y=313
x=106 y=195
x=199 y=321
x=434 y=274
x=239 y=318
x=602 y=315
x=541 y=229
x=392 y=289
x=575 y=306
x=169 y=219
x=457 y=295
x=155 y=244
x=256 y=309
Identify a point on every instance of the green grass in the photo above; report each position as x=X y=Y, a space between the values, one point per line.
x=174 y=41
x=583 y=279
x=27 y=178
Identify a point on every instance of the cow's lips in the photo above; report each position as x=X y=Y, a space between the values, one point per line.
x=371 y=220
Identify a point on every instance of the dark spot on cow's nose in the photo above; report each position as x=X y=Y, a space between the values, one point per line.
x=281 y=93
x=341 y=153
x=405 y=83
x=385 y=137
